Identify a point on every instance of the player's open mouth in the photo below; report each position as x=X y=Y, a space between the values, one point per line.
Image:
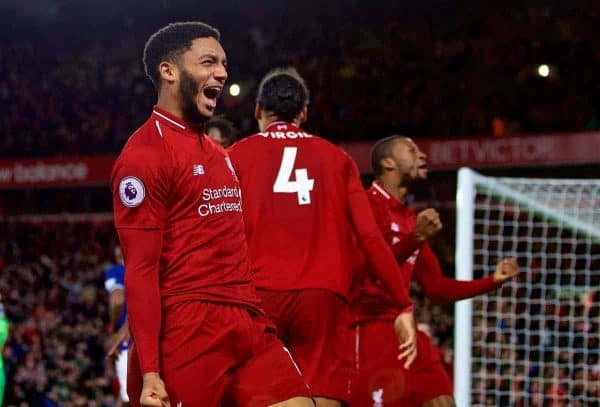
x=211 y=94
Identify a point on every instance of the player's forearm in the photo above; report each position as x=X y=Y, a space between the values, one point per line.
x=405 y=248
x=377 y=251
x=115 y=315
x=450 y=290
x=141 y=250
x=440 y=288
x=385 y=268
x=116 y=307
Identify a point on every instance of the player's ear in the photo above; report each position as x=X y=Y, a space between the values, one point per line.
x=388 y=164
x=303 y=116
x=168 y=71
x=258 y=112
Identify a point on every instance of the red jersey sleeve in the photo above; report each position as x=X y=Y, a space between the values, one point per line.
x=440 y=288
x=376 y=250
x=142 y=292
x=406 y=246
x=140 y=186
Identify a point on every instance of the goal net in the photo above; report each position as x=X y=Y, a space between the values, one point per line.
x=535 y=342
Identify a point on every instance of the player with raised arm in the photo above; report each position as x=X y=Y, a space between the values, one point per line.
x=397 y=163
x=198 y=331
x=114 y=283
x=303 y=202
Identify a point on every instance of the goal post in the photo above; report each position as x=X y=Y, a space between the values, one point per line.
x=535 y=340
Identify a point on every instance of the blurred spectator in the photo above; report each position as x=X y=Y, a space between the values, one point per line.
x=473 y=72
x=52 y=292
x=221 y=130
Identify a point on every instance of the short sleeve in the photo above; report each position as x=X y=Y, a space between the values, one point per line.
x=140 y=186
x=114 y=278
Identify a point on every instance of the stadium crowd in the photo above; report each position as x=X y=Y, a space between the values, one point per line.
x=52 y=285
x=474 y=73
x=53 y=292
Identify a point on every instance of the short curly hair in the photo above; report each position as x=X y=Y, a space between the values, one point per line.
x=168 y=43
x=283 y=92
x=382 y=149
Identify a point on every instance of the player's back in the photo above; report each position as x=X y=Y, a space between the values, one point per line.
x=295 y=191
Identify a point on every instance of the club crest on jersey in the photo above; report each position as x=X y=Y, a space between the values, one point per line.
x=228 y=161
x=131 y=191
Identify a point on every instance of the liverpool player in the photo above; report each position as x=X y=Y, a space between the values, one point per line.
x=303 y=201
x=380 y=380
x=199 y=334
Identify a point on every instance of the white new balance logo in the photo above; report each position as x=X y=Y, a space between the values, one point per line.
x=378 y=398
x=198 y=169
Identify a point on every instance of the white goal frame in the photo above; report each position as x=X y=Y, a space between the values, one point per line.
x=468 y=183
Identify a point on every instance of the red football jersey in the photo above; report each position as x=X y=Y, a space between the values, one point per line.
x=303 y=201
x=396 y=220
x=168 y=177
x=288 y=176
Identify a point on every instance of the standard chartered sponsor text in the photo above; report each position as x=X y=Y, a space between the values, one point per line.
x=223 y=192
x=210 y=194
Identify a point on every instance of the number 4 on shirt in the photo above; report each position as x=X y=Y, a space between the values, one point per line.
x=283 y=183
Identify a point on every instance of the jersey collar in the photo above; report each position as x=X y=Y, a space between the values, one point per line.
x=169 y=119
x=379 y=190
x=162 y=117
x=273 y=126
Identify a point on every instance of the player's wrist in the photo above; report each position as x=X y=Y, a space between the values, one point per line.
x=419 y=237
x=151 y=376
x=407 y=310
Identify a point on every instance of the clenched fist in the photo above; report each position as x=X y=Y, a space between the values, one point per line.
x=428 y=224
x=153 y=392
x=506 y=270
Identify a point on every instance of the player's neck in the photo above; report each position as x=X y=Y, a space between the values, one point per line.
x=392 y=188
x=267 y=121
x=173 y=106
x=401 y=194
x=170 y=105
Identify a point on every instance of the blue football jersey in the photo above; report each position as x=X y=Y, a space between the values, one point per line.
x=114 y=279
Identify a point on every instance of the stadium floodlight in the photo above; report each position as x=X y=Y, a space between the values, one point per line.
x=234 y=89
x=534 y=338
x=543 y=70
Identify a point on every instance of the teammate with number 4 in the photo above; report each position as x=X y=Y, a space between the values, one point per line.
x=380 y=380
x=303 y=201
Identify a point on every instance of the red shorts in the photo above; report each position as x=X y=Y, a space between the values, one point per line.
x=313 y=324
x=380 y=379
x=213 y=352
